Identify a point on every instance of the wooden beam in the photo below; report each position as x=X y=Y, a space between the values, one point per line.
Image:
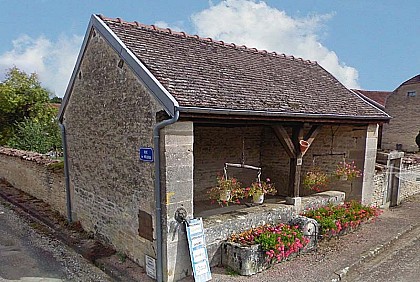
x=295 y=169
x=296 y=188
x=285 y=140
x=312 y=133
x=292 y=177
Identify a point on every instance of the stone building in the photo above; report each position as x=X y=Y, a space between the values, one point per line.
x=403 y=106
x=198 y=104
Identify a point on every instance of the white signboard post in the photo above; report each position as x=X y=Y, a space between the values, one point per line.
x=198 y=250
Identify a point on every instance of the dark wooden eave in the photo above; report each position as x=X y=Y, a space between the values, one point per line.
x=271 y=119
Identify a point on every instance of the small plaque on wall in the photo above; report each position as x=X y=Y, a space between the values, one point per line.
x=145 y=225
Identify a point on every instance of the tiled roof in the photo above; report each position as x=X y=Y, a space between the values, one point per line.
x=379 y=97
x=413 y=80
x=202 y=73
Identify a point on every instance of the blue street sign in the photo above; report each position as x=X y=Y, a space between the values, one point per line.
x=146 y=154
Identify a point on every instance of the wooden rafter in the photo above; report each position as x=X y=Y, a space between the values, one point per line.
x=285 y=140
x=311 y=134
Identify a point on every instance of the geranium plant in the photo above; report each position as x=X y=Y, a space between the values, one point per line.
x=347 y=171
x=335 y=219
x=228 y=190
x=261 y=188
x=278 y=242
x=316 y=180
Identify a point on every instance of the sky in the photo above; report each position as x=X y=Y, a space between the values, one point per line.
x=365 y=44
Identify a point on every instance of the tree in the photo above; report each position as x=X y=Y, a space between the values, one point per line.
x=56 y=100
x=21 y=96
x=26 y=114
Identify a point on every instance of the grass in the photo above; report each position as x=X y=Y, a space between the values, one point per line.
x=56 y=166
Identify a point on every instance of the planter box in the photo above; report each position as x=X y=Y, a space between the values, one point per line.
x=249 y=260
x=245 y=260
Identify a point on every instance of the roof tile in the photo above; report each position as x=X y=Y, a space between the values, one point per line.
x=201 y=72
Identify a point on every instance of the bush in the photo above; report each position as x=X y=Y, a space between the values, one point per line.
x=36 y=136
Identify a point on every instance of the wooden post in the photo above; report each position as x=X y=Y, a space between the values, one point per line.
x=292 y=147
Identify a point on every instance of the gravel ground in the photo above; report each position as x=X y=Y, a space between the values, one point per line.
x=26 y=252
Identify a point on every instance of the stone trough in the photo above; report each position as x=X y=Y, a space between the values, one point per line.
x=220 y=226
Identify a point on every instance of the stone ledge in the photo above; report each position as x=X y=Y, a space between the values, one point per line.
x=219 y=227
x=27 y=156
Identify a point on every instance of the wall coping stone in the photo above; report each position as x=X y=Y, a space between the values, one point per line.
x=28 y=156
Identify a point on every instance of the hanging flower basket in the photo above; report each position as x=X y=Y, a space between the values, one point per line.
x=258 y=198
x=224 y=195
x=347 y=171
x=257 y=190
x=228 y=190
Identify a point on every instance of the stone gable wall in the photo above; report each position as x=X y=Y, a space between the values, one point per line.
x=405 y=123
x=34 y=174
x=109 y=116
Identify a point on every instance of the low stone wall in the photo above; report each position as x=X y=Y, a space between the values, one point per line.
x=36 y=175
x=219 y=227
x=410 y=177
x=380 y=186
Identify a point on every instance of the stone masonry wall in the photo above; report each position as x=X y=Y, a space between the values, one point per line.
x=334 y=144
x=409 y=177
x=110 y=115
x=410 y=180
x=31 y=172
x=214 y=146
x=380 y=187
x=405 y=123
x=177 y=165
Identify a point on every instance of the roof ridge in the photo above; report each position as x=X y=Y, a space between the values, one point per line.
x=205 y=39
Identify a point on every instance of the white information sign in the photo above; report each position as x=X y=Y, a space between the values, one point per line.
x=150 y=267
x=198 y=250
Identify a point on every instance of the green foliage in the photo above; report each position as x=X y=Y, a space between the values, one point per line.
x=36 y=136
x=56 y=100
x=121 y=257
x=334 y=219
x=56 y=167
x=21 y=97
x=27 y=119
x=231 y=272
x=278 y=242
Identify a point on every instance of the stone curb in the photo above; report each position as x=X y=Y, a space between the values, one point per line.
x=372 y=253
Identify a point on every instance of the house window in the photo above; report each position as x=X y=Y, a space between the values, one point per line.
x=411 y=93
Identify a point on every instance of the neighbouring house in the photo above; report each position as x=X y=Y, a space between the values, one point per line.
x=198 y=104
x=403 y=106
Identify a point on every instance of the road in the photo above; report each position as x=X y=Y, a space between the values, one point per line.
x=399 y=263
x=26 y=254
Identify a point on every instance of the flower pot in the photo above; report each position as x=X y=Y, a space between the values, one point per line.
x=344 y=177
x=304 y=145
x=258 y=198
x=224 y=195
